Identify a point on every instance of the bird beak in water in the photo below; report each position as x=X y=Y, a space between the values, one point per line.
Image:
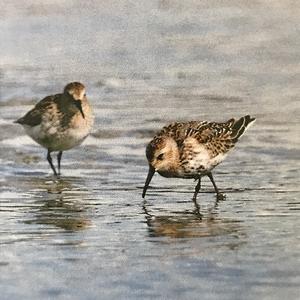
x=149 y=177
x=79 y=106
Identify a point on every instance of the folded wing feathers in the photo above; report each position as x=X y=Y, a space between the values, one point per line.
x=240 y=126
x=34 y=116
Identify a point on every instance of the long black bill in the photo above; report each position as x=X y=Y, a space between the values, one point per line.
x=149 y=177
x=79 y=106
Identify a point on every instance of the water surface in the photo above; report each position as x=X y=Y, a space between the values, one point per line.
x=89 y=235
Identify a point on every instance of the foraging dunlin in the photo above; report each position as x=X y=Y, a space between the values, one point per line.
x=60 y=122
x=193 y=149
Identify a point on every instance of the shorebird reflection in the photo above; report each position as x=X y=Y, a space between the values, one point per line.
x=188 y=225
x=60 y=204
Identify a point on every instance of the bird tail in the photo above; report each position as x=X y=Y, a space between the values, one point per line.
x=240 y=126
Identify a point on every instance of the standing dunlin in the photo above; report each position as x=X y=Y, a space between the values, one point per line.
x=60 y=122
x=193 y=149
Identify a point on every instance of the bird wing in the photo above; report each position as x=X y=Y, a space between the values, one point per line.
x=34 y=116
x=204 y=132
x=178 y=130
x=216 y=137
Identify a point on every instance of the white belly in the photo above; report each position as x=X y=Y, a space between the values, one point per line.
x=56 y=139
x=201 y=163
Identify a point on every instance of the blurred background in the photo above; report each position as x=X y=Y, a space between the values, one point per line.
x=145 y=64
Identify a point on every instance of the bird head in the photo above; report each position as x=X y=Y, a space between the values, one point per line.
x=77 y=91
x=163 y=157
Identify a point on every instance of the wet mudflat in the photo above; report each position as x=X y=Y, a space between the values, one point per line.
x=90 y=235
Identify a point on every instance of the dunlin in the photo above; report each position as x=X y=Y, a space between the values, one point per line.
x=193 y=149
x=60 y=122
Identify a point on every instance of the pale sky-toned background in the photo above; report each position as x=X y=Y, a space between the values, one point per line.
x=147 y=63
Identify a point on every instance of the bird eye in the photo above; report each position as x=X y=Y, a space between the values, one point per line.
x=160 y=156
x=84 y=95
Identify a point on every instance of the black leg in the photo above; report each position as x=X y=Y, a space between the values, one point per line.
x=220 y=196
x=59 y=155
x=197 y=206
x=213 y=182
x=197 y=189
x=49 y=158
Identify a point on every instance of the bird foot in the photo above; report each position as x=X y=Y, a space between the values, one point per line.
x=56 y=175
x=221 y=197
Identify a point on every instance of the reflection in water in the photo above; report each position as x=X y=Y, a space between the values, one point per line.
x=59 y=204
x=190 y=225
x=219 y=197
x=59 y=213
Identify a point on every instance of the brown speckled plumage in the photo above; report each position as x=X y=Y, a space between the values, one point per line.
x=192 y=149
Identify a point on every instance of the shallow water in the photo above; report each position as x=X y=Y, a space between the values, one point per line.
x=89 y=235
